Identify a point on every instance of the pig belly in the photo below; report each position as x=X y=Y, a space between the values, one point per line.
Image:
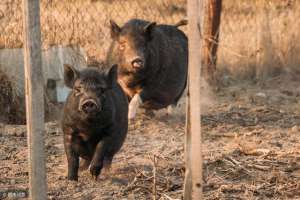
x=83 y=148
x=158 y=101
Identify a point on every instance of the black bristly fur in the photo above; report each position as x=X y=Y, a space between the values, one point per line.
x=164 y=48
x=95 y=138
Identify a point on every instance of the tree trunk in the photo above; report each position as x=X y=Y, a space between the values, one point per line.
x=211 y=30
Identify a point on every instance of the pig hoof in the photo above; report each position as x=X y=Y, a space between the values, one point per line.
x=95 y=171
x=107 y=164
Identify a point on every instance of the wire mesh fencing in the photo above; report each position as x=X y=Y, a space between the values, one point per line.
x=258 y=32
x=83 y=23
x=252 y=33
x=73 y=32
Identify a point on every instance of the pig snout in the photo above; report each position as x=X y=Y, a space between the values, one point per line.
x=137 y=63
x=89 y=106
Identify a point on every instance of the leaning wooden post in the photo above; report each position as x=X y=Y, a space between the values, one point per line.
x=193 y=151
x=34 y=99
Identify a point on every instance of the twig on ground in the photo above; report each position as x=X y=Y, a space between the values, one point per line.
x=154 y=177
x=169 y=198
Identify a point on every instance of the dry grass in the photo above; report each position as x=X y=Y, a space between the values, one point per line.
x=251 y=135
x=240 y=35
x=250 y=149
x=10 y=103
x=83 y=22
x=86 y=23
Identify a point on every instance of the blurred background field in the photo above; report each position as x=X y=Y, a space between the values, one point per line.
x=86 y=23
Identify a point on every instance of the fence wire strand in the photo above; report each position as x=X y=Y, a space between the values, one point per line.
x=83 y=23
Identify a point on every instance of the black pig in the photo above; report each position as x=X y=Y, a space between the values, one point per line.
x=153 y=62
x=95 y=119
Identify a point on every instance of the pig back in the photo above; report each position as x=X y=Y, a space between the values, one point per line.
x=170 y=67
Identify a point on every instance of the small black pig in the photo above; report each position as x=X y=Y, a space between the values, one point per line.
x=153 y=62
x=95 y=119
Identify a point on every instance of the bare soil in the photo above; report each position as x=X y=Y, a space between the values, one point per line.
x=250 y=147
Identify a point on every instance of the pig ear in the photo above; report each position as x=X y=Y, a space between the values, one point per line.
x=114 y=29
x=112 y=75
x=70 y=75
x=148 y=29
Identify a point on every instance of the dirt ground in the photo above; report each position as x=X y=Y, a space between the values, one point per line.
x=250 y=148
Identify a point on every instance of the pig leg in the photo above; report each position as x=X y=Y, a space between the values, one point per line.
x=84 y=164
x=72 y=157
x=98 y=158
x=136 y=101
x=107 y=163
x=134 y=104
x=86 y=154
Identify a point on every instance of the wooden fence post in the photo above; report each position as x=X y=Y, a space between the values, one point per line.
x=193 y=151
x=187 y=151
x=34 y=84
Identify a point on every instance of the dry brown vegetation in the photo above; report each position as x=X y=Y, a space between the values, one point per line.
x=86 y=23
x=250 y=135
x=9 y=102
x=250 y=147
x=242 y=22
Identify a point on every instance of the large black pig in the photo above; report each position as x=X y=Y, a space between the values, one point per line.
x=153 y=62
x=95 y=118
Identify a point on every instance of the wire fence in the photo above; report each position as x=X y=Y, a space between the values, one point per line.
x=259 y=29
x=83 y=22
x=73 y=31
x=252 y=33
